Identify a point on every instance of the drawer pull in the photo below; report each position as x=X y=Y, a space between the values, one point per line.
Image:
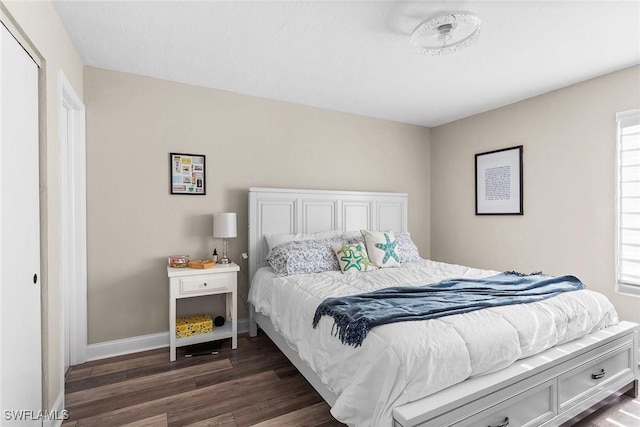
x=505 y=423
x=204 y=284
x=598 y=375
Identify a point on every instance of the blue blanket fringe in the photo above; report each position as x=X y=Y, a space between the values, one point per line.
x=356 y=315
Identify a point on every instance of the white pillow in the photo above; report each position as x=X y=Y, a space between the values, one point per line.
x=274 y=239
x=382 y=248
x=353 y=235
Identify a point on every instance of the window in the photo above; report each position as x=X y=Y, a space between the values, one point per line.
x=628 y=202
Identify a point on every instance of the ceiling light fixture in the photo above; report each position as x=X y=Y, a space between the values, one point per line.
x=446 y=33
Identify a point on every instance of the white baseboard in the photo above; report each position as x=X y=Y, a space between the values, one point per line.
x=102 y=350
x=113 y=348
x=56 y=415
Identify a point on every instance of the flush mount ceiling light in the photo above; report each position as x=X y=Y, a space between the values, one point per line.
x=446 y=33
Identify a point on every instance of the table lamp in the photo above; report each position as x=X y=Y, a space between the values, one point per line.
x=224 y=226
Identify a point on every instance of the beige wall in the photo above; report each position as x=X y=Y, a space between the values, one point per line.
x=569 y=139
x=39 y=22
x=133 y=123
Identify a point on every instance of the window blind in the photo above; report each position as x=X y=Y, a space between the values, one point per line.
x=628 y=202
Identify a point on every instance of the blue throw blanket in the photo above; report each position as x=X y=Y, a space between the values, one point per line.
x=355 y=315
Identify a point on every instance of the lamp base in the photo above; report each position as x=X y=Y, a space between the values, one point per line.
x=225 y=246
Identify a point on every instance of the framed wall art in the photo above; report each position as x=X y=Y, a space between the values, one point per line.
x=187 y=174
x=499 y=182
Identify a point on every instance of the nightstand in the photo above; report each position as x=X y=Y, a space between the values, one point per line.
x=194 y=282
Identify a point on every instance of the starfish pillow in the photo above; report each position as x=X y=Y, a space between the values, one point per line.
x=382 y=248
x=353 y=258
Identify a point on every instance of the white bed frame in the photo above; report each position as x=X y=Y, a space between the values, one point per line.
x=548 y=389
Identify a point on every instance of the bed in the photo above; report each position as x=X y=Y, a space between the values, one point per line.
x=422 y=373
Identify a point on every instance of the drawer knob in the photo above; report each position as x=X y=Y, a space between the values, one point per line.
x=505 y=423
x=204 y=284
x=598 y=375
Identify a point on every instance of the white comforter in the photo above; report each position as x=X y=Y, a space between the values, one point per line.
x=405 y=361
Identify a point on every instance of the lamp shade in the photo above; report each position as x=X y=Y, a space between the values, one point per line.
x=224 y=225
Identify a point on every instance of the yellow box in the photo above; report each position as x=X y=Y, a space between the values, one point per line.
x=193 y=325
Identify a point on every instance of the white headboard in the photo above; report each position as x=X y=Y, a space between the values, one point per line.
x=278 y=210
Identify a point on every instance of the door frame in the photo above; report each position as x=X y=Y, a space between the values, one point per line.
x=73 y=224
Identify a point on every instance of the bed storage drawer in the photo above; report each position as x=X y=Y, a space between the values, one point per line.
x=530 y=408
x=595 y=375
x=214 y=283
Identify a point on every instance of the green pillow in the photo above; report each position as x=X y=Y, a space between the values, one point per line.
x=353 y=258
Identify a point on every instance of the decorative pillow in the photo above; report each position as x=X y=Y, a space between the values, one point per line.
x=274 y=239
x=304 y=257
x=406 y=249
x=353 y=236
x=353 y=258
x=381 y=247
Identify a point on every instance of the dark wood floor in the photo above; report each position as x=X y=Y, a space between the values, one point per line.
x=253 y=385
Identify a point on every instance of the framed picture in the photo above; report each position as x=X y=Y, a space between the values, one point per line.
x=187 y=174
x=499 y=182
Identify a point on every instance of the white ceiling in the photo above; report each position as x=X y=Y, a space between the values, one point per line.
x=356 y=56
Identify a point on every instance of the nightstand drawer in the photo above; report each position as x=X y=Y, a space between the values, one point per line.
x=214 y=283
x=595 y=375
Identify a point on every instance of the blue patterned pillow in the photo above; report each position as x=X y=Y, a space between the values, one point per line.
x=304 y=257
x=406 y=249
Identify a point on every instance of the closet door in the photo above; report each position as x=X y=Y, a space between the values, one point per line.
x=20 y=337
